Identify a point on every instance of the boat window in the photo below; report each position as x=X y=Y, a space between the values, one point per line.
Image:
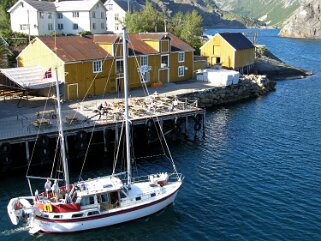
x=123 y=194
x=92 y=213
x=153 y=185
x=104 y=198
x=45 y=215
x=77 y=215
x=138 y=198
x=153 y=195
x=57 y=216
x=87 y=200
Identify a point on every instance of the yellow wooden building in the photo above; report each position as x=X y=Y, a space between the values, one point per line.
x=93 y=65
x=231 y=50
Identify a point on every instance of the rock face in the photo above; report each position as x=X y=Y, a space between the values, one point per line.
x=268 y=64
x=249 y=86
x=305 y=23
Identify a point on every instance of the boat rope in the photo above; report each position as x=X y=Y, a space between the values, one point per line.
x=87 y=150
x=38 y=131
x=55 y=157
x=118 y=147
x=161 y=135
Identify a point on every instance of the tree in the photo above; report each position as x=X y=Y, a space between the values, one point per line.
x=146 y=20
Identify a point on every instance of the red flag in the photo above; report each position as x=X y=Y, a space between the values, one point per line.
x=48 y=74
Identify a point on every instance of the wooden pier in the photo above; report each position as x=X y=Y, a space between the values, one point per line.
x=175 y=115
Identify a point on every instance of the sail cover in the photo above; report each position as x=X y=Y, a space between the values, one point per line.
x=34 y=77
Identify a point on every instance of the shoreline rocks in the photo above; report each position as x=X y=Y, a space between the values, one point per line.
x=274 y=68
x=249 y=86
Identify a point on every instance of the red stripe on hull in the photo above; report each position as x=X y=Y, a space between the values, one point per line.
x=104 y=215
x=81 y=231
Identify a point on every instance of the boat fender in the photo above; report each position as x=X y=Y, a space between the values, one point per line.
x=149 y=123
x=43 y=140
x=6 y=148
x=6 y=161
x=81 y=135
x=47 y=208
x=197 y=126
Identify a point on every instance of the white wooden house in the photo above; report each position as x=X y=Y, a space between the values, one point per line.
x=116 y=12
x=67 y=17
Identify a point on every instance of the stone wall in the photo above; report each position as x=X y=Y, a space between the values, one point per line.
x=249 y=86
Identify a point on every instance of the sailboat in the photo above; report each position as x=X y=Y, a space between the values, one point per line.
x=98 y=202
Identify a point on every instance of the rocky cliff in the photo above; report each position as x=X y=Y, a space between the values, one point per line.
x=272 y=12
x=305 y=22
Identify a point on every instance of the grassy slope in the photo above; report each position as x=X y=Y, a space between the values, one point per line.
x=277 y=14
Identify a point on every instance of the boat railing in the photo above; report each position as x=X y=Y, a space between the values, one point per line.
x=173 y=177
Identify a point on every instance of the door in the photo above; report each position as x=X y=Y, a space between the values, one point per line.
x=163 y=75
x=72 y=90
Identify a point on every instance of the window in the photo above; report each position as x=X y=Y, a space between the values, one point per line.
x=145 y=77
x=75 y=14
x=41 y=15
x=92 y=213
x=116 y=16
x=138 y=198
x=181 y=70
x=116 y=27
x=102 y=26
x=119 y=66
x=97 y=66
x=59 y=15
x=77 y=215
x=104 y=198
x=102 y=15
x=94 y=14
x=153 y=195
x=22 y=5
x=75 y=26
x=50 y=27
x=49 y=15
x=87 y=200
x=181 y=57
x=94 y=25
x=23 y=26
x=143 y=60
x=57 y=216
x=60 y=26
x=110 y=7
x=164 y=61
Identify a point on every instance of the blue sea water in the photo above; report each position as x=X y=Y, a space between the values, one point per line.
x=256 y=176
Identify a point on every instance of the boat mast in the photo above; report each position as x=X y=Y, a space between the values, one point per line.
x=126 y=116
x=61 y=136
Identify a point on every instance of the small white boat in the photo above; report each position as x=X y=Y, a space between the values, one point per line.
x=98 y=202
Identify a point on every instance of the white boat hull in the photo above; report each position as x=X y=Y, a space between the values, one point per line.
x=120 y=216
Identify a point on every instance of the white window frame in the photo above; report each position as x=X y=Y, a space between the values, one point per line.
x=144 y=60
x=41 y=15
x=181 y=68
x=102 y=15
x=60 y=15
x=60 y=26
x=94 y=25
x=144 y=77
x=93 y=14
x=163 y=55
x=181 y=57
x=75 y=14
x=119 y=60
x=75 y=26
x=50 y=26
x=97 y=66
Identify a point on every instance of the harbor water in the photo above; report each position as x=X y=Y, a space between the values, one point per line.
x=256 y=176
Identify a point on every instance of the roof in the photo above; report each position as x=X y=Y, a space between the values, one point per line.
x=237 y=40
x=29 y=77
x=134 y=6
x=105 y=38
x=176 y=43
x=74 y=48
x=38 y=5
x=81 y=5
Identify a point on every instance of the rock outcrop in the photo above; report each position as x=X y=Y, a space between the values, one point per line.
x=249 y=86
x=274 y=68
x=305 y=22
